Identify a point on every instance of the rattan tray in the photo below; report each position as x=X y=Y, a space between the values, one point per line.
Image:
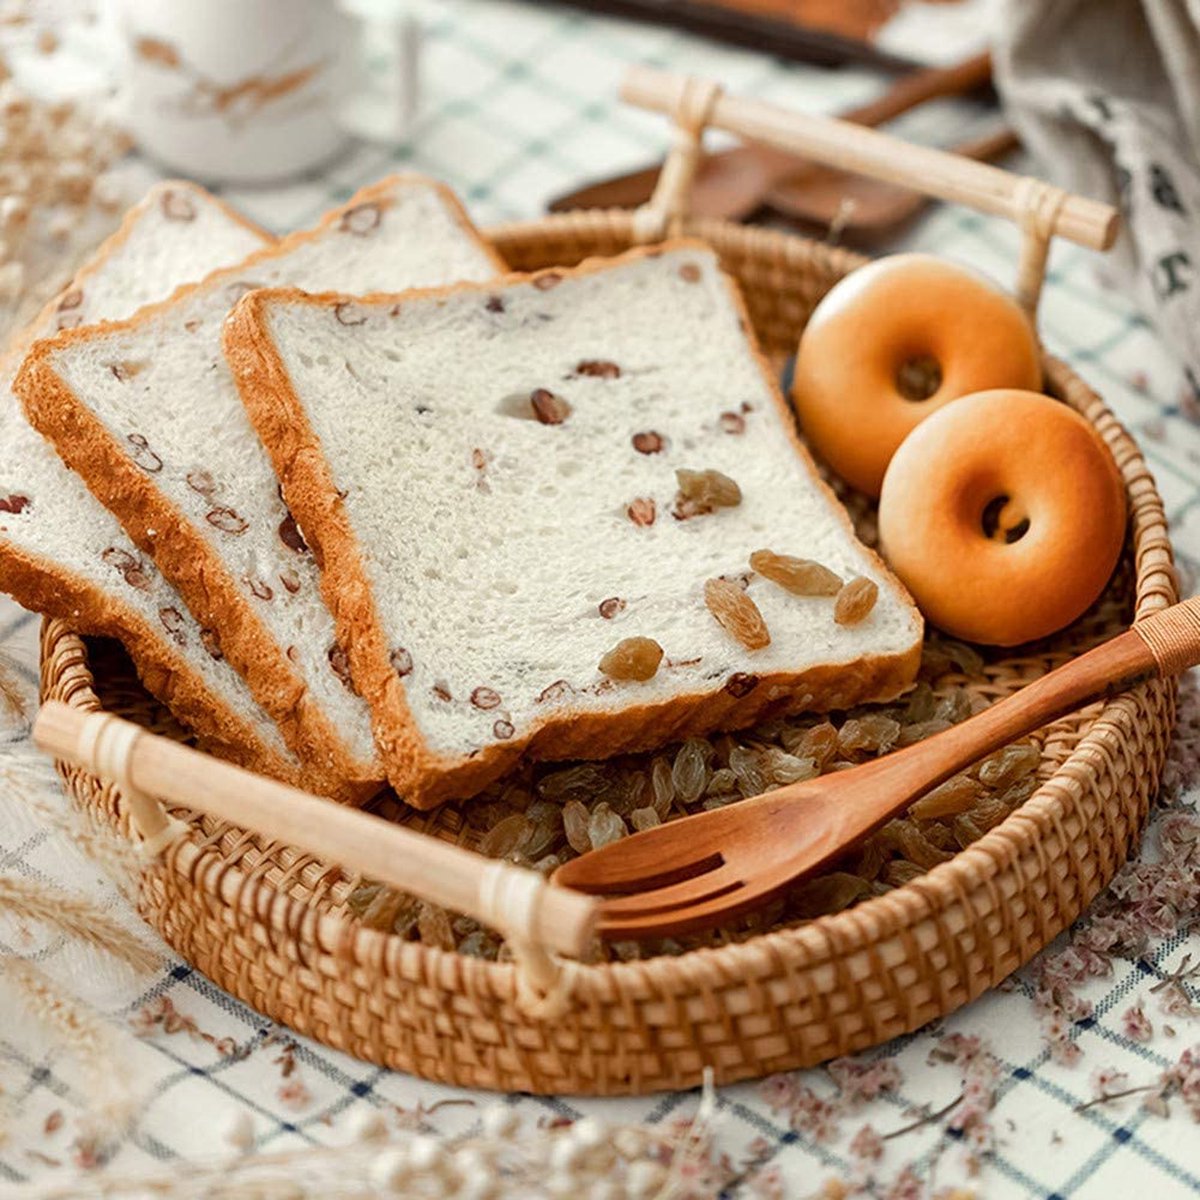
x=266 y=922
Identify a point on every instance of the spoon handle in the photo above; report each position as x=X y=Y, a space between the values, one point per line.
x=1160 y=646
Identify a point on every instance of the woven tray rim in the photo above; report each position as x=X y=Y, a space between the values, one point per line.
x=940 y=896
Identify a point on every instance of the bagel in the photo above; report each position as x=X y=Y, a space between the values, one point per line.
x=892 y=343
x=1004 y=515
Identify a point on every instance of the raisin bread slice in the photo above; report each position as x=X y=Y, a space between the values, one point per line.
x=148 y=414
x=62 y=553
x=488 y=476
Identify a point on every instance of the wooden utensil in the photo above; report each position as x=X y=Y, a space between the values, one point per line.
x=859 y=208
x=737 y=182
x=148 y=768
x=704 y=870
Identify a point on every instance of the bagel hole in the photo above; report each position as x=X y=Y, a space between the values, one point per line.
x=919 y=377
x=1000 y=525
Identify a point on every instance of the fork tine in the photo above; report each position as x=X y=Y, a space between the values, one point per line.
x=716 y=910
x=689 y=892
x=635 y=864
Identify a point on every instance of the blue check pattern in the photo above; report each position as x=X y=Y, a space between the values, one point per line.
x=518 y=105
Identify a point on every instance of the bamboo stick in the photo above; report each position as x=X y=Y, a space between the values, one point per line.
x=870 y=152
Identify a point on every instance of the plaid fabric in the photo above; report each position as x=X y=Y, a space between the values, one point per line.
x=519 y=103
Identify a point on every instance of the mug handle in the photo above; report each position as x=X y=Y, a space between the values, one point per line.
x=382 y=111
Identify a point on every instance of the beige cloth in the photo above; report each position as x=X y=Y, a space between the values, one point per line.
x=1106 y=95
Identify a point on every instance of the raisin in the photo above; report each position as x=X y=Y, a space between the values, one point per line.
x=123 y=372
x=644 y=818
x=259 y=588
x=339 y=660
x=648 y=442
x=549 y=408
x=689 y=773
x=485 y=698
x=575 y=824
x=855 y=601
x=555 y=691
x=212 y=643
x=598 y=369
x=642 y=511
x=346 y=312
x=702 y=491
x=736 y=613
x=503 y=730
x=361 y=220
x=1009 y=765
x=15 y=503
x=605 y=826
x=131 y=568
x=495 y=304
x=226 y=520
x=201 y=481
x=958 y=794
x=610 y=607
x=800 y=576
x=174 y=623
x=441 y=690
x=142 y=454
x=290 y=535
x=177 y=207
x=740 y=684
x=402 y=662
x=632 y=658
x=732 y=422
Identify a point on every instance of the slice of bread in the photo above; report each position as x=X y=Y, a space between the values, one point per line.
x=488 y=475
x=148 y=414
x=63 y=553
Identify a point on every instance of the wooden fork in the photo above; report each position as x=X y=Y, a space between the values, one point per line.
x=703 y=870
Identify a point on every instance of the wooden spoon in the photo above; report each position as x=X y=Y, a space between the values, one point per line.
x=704 y=870
x=734 y=183
x=855 y=206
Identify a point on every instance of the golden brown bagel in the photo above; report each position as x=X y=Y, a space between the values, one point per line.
x=896 y=325
x=1018 y=465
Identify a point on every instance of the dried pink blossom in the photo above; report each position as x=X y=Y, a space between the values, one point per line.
x=294 y=1095
x=1108 y=1080
x=1136 y=1025
x=867 y=1144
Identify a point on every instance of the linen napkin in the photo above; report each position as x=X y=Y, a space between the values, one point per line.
x=1106 y=95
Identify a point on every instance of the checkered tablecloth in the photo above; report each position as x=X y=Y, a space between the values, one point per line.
x=519 y=103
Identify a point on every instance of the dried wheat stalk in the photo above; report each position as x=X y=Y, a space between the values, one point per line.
x=25 y=777
x=83 y=1034
x=77 y=917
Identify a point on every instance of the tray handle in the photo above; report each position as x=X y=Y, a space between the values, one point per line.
x=535 y=917
x=1040 y=209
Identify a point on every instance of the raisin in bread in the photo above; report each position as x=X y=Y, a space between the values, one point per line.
x=63 y=553
x=488 y=475
x=148 y=414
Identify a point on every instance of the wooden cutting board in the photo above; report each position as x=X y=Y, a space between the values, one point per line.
x=821 y=31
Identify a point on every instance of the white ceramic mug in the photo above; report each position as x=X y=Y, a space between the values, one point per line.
x=251 y=91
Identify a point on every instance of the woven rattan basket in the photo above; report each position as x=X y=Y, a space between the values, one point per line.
x=266 y=922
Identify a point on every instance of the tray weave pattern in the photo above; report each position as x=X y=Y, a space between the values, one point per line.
x=266 y=922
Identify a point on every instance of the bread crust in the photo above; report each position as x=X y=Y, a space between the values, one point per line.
x=423 y=778
x=45 y=586
x=43 y=324
x=164 y=672
x=183 y=555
